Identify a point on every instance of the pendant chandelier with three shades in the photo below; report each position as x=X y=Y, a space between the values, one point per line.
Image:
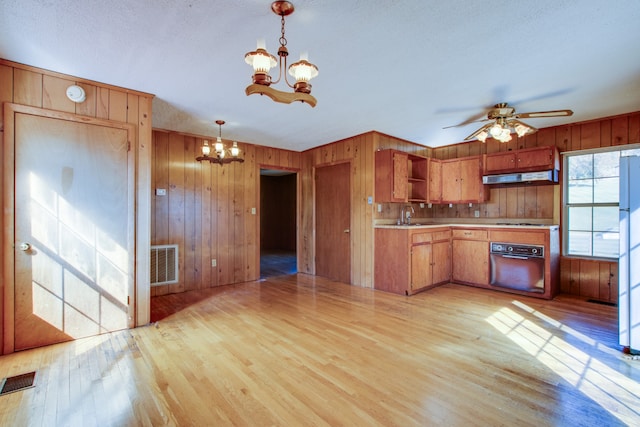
x=262 y=62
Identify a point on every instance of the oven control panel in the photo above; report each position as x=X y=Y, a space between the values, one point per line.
x=517 y=249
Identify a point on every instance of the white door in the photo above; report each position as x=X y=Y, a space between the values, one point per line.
x=73 y=219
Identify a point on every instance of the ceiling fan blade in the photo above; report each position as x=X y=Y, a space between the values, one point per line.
x=476 y=133
x=466 y=122
x=556 y=113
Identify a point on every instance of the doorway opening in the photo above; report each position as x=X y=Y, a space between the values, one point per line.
x=278 y=222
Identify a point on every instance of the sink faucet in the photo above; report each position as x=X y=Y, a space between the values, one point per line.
x=405 y=215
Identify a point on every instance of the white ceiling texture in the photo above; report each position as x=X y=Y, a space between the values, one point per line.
x=405 y=68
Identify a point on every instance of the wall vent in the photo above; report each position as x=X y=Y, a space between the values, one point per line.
x=164 y=264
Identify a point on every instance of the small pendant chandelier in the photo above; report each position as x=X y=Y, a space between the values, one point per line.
x=262 y=61
x=222 y=155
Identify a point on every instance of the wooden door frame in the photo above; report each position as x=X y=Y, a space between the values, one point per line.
x=351 y=204
x=298 y=173
x=7 y=178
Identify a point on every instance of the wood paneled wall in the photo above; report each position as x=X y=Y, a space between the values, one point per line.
x=26 y=85
x=207 y=209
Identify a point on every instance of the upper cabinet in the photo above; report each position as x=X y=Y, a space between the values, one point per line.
x=526 y=160
x=401 y=177
x=435 y=181
x=461 y=180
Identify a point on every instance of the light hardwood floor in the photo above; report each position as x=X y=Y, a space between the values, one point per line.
x=300 y=351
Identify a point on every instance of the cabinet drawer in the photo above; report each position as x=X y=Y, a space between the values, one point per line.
x=525 y=237
x=441 y=235
x=417 y=238
x=470 y=234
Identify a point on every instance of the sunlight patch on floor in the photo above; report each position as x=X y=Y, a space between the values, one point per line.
x=616 y=393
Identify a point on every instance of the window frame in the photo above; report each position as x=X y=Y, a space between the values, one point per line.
x=565 y=196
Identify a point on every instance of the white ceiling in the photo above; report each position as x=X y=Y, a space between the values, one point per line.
x=405 y=68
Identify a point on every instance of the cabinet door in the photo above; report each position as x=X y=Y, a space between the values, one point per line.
x=450 y=181
x=391 y=176
x=441 y=262
x=473 y=264
x=435 y=181
x=400 y=177
x=470 y=180
x=538 y=158
x=420 y=266
x=500 y=162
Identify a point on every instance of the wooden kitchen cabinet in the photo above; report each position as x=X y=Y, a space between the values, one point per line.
x=400 y=177
x=392 y=172
x=470 y=250
x=462 y=180
x=435 y=181
x=410 y=260
x=525 y=160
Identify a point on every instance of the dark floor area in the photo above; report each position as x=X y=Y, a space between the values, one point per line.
x=277 y=263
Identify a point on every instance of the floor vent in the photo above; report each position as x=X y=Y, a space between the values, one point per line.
x=17 y=383
x=164 y=264
x=595 y=301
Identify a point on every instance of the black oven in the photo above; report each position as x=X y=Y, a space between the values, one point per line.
x=517 y=266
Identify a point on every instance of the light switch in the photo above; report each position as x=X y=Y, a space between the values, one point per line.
x=370 y=200
x=253 y=211
x=214 y=263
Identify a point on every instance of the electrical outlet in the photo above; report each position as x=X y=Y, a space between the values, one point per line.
x=421 y=205
x=476 y=214
x=253 y=211
x=214 y=263
x=379 y=207
x=161 y=191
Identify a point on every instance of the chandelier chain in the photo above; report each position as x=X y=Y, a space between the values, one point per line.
x=283 y=40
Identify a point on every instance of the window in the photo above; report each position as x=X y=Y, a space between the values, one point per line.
x=591 y=188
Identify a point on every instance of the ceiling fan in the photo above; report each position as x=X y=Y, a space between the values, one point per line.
x=504 y=120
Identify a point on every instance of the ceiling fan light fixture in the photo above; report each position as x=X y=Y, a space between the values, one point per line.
x=505 y=135
x=521 y=129
x=495 y=130
x=482 y=136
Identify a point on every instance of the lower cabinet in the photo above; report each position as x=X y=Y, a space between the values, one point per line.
x=470 y=249
x=409 y=260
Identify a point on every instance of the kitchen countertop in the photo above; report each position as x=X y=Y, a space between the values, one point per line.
x=427 y=225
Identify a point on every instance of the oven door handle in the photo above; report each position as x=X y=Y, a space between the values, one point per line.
x=515 y=257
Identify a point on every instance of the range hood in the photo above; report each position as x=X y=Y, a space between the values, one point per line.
x=542 y=177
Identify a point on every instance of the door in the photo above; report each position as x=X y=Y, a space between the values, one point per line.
x=421 y=266
x=441 y=262
x=400 y=191
x=470 y=179
x=333 y=222
x=74 y=250
x=475 y=268
x=450 y=181
x=435 y=181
